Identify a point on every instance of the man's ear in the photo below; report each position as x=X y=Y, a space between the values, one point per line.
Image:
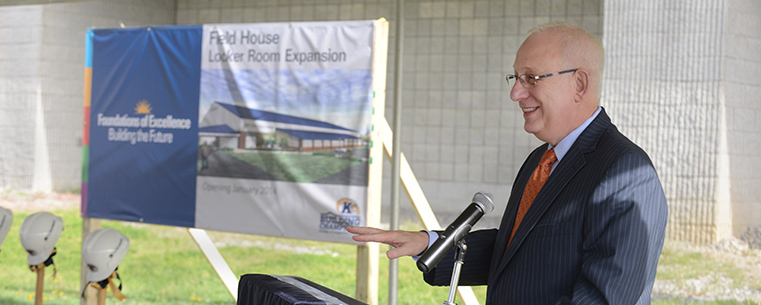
x=582 y=84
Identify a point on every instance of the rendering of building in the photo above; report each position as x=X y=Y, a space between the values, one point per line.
x=258 y=129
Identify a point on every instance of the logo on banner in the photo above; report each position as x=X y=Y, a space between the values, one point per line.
x=144 y=128
x=143 y=107
x=346 y=215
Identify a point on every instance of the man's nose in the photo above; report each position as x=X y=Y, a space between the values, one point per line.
x=518 y=92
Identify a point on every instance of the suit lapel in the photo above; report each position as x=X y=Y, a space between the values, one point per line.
x=508 y=218
x=572 y=162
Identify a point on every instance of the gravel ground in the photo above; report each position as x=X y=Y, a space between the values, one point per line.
x=706 y=287
x=736 y=275
x=17 y=201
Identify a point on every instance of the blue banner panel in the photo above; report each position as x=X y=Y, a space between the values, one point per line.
x=144 y=124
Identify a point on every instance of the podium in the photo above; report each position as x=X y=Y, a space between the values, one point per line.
x=262 y=289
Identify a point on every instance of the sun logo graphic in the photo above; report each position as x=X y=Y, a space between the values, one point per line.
x=347 y=206
x=143 y=107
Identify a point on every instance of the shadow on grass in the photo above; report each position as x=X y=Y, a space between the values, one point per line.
x=8 y=301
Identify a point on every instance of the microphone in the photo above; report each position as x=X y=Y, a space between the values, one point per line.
x=482 y=204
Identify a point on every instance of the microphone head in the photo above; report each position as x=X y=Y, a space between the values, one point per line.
x=483 y=200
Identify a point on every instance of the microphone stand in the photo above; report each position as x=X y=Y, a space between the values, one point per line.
x=459 y=260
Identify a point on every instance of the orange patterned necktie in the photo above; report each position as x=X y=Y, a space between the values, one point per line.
x=535 y=184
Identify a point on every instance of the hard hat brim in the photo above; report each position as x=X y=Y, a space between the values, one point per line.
x=37 y=259
x=99 y=275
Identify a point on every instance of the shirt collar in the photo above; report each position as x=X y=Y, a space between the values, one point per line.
x=565 y=144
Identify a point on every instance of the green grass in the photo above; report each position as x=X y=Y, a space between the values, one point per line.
x=164 y=266
x=297 y=167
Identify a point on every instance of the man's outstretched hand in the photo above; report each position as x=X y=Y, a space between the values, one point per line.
x=404 y=243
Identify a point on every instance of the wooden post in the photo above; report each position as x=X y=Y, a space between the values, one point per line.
x=40 y=283
x=102 y=294
x=368 y=255
x=367 y=273
x=210 y=251
x=88 y=226
x=91 y=295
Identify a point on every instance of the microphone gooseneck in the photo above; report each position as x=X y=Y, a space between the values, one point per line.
x=481 y=204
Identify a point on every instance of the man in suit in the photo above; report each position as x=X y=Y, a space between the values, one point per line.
x=595 y=228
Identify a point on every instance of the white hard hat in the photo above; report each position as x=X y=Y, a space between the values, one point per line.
x=102 y=251
x=39 y=233
x=6 y=219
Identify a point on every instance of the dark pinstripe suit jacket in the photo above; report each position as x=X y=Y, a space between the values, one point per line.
x=592 y=236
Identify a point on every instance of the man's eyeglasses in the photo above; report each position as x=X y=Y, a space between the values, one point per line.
x=529 y=80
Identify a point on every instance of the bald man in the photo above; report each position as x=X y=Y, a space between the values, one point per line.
x=586 y=216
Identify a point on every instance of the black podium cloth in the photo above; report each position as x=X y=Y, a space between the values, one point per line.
x=262 y=289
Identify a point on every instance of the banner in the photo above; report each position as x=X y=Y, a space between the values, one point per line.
x=251 y=128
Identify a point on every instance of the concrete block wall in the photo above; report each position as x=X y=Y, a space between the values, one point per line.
x=676 y=84
x=460 y=131
x=42 y=51
x=741 y=65
x=20 y=29
x=62 y=70
x=665 y=94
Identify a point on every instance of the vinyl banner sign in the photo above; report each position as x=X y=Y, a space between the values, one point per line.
x=252 y=128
